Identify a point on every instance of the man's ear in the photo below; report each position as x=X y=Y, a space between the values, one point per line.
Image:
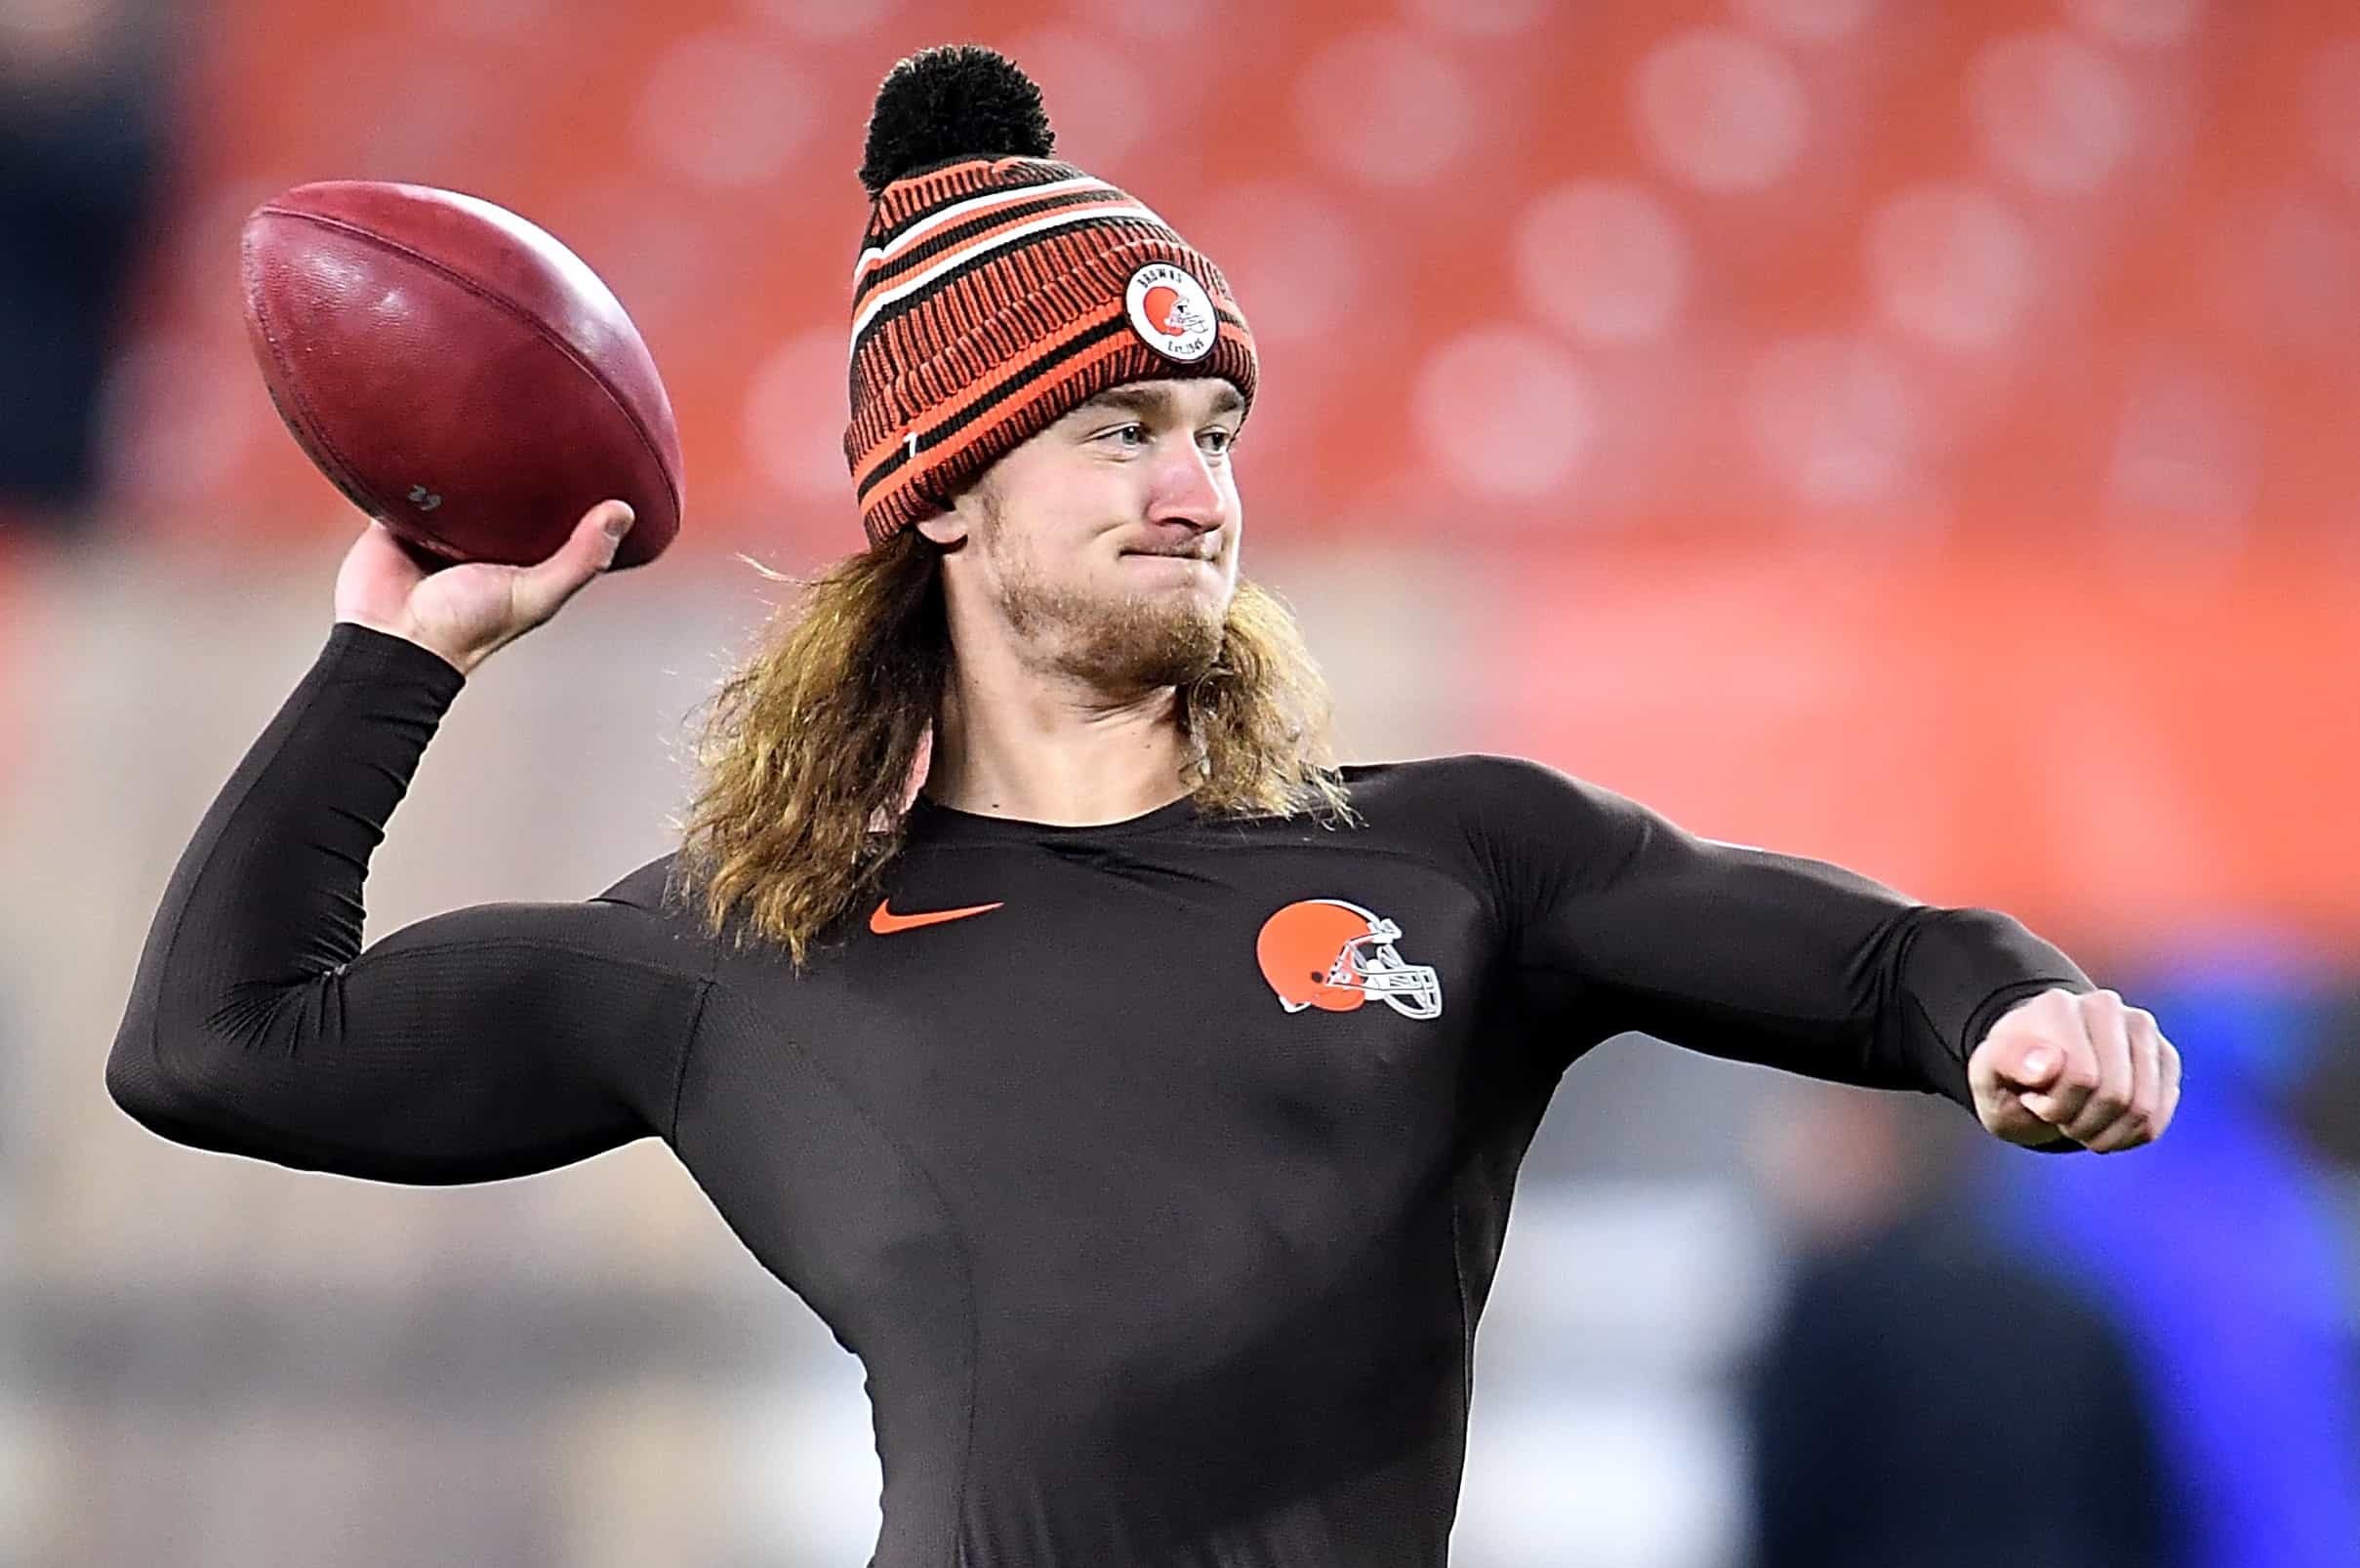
x=970 y=505
x=947 y=529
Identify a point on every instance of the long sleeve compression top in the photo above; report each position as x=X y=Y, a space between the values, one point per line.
x=1158 y=1180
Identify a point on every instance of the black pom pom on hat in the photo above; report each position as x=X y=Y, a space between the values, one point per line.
x=958 y=101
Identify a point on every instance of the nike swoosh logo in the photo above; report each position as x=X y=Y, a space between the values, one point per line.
x=885 y=922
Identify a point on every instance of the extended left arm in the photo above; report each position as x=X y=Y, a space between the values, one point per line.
x=1806 y=966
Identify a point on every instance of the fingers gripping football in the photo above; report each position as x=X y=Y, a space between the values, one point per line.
x=467 y=612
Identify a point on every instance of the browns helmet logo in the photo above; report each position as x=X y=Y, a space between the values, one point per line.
x=1334 y=955
x=1170 y=313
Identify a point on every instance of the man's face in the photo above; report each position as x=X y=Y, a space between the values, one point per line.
x=1105 y=547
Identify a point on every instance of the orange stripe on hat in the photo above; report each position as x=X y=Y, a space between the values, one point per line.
x=907 y=197
x=1063 y=216
x=983 y=430
x=977 y=391
x=967 y=211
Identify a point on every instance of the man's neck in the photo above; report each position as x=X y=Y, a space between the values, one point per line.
x=1056 y=751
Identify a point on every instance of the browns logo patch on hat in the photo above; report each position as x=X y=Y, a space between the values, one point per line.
x=1173 y=311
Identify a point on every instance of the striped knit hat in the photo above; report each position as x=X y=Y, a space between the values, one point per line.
x=998 y=290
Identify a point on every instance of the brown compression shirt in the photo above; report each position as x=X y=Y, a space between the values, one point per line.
x=1158 y=1181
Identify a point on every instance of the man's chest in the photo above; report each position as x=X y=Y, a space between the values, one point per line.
x=1122 y=998
x=1107 y=1057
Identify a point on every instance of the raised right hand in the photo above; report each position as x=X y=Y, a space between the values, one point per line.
x=467 y=612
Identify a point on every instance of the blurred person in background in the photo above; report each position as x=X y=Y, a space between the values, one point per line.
x=1925 y=1397
x=2322 y=1100
x=2226 y=1260
x=86 y=105
x=1138 y=1092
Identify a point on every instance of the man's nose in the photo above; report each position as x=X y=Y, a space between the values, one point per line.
x=1186 y=491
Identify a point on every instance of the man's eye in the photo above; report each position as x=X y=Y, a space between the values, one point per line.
x=1128 y=434
x=1218 y=439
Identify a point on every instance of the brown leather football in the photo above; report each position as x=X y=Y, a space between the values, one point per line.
x=458 y=373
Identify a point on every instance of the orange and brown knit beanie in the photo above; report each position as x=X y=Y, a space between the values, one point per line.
x=998 y=290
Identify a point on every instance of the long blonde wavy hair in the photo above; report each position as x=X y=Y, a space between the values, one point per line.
x=809 y=753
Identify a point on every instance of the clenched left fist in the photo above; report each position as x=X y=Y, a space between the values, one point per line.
x=2083 y=1066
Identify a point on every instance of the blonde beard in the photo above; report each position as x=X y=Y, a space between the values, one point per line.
x=1129 y=644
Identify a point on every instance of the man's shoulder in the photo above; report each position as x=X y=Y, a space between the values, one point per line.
x=653 y=887
x=674 y=913
x=1465 y=784
x=1496 y=805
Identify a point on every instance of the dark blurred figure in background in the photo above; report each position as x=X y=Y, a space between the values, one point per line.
x=84 y=113
x=2323 y=1105
x=1890 y=1417
x=2230 y=1259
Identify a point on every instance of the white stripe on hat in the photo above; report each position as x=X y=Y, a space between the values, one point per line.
x=876 y=254
x=966 y=255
